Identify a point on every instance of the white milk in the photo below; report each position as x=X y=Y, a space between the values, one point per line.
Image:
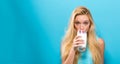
x=83 y=35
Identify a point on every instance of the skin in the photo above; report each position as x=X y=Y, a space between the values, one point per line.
x=81 y=23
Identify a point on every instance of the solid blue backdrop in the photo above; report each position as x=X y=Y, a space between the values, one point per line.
x=31 y=30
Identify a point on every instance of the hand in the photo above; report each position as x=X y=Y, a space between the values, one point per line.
x=78 y=41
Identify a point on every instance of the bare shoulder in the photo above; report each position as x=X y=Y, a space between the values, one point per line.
x=101 y=43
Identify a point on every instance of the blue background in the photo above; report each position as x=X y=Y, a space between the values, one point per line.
x=31 y=30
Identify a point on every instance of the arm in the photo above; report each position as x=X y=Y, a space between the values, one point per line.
x=101 y=42
x=70 y=57
x=76 y=43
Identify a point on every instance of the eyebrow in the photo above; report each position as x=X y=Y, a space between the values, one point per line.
x=83 y=21
x=86 y=21
x=77 y=21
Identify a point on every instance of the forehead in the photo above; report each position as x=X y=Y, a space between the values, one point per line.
x=81 y=18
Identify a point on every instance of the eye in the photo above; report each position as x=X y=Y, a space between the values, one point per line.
x=77 y=22
x=86 y=23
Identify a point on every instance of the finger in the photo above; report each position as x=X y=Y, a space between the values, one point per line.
x=75 y=46
x=79 y=40
x=77 y=43
x=77 y=37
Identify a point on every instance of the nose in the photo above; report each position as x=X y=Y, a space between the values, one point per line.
x=81 y=28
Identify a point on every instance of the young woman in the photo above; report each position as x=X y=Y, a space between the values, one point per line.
x=81 y=19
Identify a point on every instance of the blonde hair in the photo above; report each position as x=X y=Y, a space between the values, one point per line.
x=71 y=33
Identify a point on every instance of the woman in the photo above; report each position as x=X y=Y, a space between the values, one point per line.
x=81 y=19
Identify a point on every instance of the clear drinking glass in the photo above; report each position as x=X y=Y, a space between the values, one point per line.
x=83 y=35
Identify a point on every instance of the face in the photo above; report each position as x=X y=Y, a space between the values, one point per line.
x=82 y=23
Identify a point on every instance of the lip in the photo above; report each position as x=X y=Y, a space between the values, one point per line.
x=82 y=31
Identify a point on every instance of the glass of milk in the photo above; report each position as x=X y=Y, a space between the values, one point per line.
x=83 y=35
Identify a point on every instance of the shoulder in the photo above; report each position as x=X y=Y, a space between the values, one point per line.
x=101 y=43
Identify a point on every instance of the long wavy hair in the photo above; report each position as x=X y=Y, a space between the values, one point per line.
x=71 y=33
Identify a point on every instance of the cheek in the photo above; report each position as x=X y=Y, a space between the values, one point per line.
x=87 y=28
x=76 y=27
